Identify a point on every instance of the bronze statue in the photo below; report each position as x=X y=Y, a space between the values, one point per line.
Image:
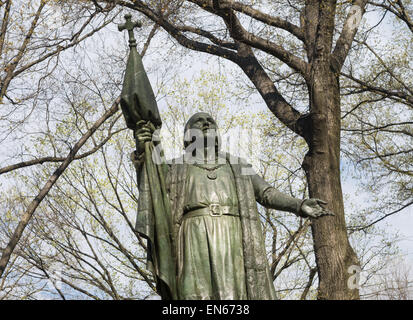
x=218 y=241
x=198 y=212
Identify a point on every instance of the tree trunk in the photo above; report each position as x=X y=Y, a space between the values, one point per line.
x=333 y=252
x=321 y=130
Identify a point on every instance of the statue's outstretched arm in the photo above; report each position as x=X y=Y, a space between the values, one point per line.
x=270 y=197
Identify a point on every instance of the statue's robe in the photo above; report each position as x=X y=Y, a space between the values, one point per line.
x=209 y=250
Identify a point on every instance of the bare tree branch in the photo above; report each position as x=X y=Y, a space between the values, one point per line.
x=57 y=159
x=366 y=86
x=398 y=9
x=311 y=276
x=4 y=25
x=361 y=228
x=238 y=32
x=52 y=180
x=12 y=66
x=263 y=17
x=347 y=34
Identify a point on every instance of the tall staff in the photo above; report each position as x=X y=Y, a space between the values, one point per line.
x=139 y=106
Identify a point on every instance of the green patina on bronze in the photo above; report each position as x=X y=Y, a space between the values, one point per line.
x=138 y=103
x=205 y=239
x=217 y=257
x=137 y=98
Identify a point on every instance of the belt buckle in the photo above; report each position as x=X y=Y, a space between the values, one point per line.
x=215 y=210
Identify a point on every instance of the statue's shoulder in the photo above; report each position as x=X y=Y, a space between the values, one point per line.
x=235 y=160
x=240 y=165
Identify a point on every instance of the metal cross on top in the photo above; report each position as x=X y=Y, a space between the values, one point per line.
x=129 y=25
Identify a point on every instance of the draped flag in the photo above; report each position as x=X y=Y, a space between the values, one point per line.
x=138 y=103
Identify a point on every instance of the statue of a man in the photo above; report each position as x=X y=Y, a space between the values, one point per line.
x=217 y=236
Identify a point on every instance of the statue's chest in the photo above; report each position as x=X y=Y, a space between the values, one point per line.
x=210 y=184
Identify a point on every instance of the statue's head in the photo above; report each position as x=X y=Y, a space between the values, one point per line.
x=201 y=126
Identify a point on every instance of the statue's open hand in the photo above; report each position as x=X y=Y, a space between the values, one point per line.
x=143 y=133
x=313 y=208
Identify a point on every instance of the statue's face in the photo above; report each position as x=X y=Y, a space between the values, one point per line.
x=203 y=128
x=204 y=122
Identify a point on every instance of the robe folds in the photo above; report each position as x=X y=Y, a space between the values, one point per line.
x=253 y=280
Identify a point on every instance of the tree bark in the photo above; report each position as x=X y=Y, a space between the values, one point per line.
x=333 y=252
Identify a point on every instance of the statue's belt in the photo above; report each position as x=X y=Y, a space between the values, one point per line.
x=213 y=210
